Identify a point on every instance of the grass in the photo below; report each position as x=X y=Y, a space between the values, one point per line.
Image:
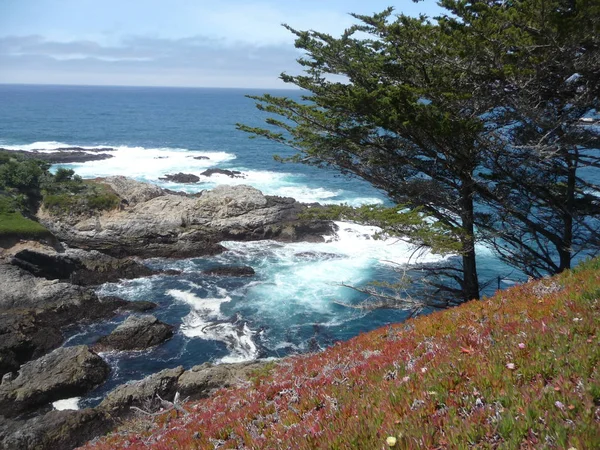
x=13 y=223
x=516 y=371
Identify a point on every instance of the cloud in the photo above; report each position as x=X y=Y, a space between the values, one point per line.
x=190 y=61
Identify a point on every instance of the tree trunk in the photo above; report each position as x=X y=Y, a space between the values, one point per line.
x=565 y=252
x=470 y=279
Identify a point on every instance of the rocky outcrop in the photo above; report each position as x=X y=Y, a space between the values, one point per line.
x=230 y=271
x=153 y=222
x=136 y=333
x=34 y=310
x=138 y=393
x=55 y=430
x=65 y=155
x=202 y=380
x=23 y=337
x=229 y=173
x=181 y=178
x=84 y=268
x=20 y=289
x=198 y=382
x=66 y=372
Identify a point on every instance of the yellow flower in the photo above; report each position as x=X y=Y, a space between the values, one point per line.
x=391 y=441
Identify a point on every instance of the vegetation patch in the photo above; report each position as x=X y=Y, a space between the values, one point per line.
x=13 y=223
x=518 y=370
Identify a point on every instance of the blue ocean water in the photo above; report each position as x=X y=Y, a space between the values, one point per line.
x=293 y=302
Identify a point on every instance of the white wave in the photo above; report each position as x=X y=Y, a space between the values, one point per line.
x=67 y=403
x=301 y=281
x=205 y=321
x=358 y=241
x=211 y=307
x=150 y=164
x=48 y=146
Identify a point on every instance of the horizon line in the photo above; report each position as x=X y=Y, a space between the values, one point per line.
x=148 y=86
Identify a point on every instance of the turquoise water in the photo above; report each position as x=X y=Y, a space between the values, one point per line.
x=291 y=305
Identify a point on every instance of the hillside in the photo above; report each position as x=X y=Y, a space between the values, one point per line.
x=519 y=370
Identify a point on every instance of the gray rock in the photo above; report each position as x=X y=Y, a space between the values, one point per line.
x=201 y=381
x=63 y=373
x=55 y=430
x=133 y=191
x=156 y=223
x=181 y=178
x=136 y=333
x=230 y=271
x=21 y=289
x=198 y=382
x=143 y=392
x=229 y=173
x=77 y=266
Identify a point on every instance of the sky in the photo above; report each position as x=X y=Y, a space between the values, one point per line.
x=191 y=43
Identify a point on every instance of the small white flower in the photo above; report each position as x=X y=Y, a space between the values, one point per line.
x=391 y=441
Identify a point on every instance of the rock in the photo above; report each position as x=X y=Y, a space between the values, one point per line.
x=132 y=191
x=200 y=157
x=168 y=225
x=33 y=311
x=84 y=268
x=139 y=306
x=230 y=271
x=23 y=337
x=55 y=430
x=66 y=372
x=19 y=288
x=198 y=382
x=136 y=333
x=316 y=255
x=65 y=155
x=137 y=393
x=201 y=381
x=181 y=178
x=229 y=173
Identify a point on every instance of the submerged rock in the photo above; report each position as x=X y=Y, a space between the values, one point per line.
x=136 y=333
x=229 y=173
x=65 y=372
x=230 y=271
x=181 y=178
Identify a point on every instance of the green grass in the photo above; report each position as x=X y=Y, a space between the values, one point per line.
x=14 y=224
x=518 y=370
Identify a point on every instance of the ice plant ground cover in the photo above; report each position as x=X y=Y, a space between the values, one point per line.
x=518 y=370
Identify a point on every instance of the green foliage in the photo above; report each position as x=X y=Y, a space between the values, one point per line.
x=397 y=221
x=102 y=201
x=28 y=182
x=472 y=118
x=76 y=197
x=13 y=224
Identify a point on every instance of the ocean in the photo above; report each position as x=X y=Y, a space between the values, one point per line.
x=292 y=304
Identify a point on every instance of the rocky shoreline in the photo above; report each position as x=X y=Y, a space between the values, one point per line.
x=46 y=286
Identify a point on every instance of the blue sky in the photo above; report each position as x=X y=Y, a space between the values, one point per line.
x=226 y=43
